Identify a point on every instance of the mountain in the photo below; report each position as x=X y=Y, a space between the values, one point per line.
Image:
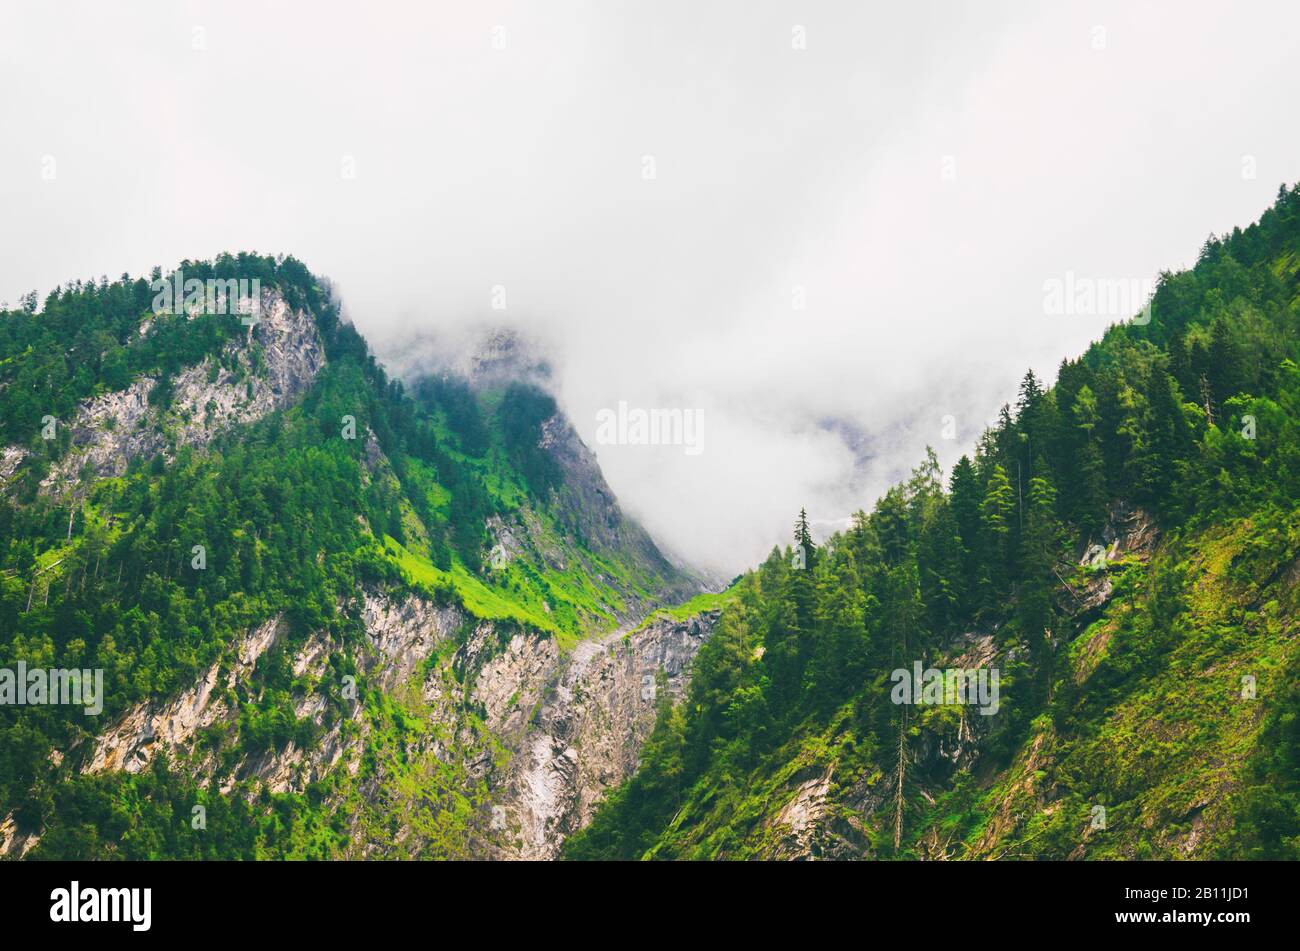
x=1106 y=591
x=332 y=614
x=293 y=608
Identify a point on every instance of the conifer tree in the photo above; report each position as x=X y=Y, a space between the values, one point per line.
x=964 y=499
x=803 y=537
x=942 y=570
x=1088 y=508
x=996 y=513
x=1040 y=544
x=1224 y=371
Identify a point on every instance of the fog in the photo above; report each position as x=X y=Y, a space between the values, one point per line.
x=826 y=226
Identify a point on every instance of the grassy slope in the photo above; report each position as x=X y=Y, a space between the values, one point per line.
x=555 y=585
x=586 y=596
x=1165 y=752
x=1148 y=719
x=708 y=601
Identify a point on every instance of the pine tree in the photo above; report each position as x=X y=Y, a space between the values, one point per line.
x=996 y=513
x=839 y=656
x=890 y=518
x=942 y=569
x=1040 y=544
x=964 y=500
x=1224 y=373
x=1089 y=500
x=901 y=612
x=1131 y=442
x=1169 y=440
x=803 y=537
x=1180 y=363
x=1029 y=421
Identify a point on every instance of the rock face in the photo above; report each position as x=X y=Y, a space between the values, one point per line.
x=494 y=357
x=817 y=820
x=585 y=501
x=800 y=819
x=10 y=458
x=588 y=734
x=535 y=734
x=502 y=357
x=399 y=635
x=134 y=739
x=571 y=725
x=1129 y=532
x=14 y=843
x=111 y=430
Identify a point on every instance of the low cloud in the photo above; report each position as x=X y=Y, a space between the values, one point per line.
x=827 y=249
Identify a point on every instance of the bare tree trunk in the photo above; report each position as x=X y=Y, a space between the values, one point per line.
x=32 y=591
x=902 y=769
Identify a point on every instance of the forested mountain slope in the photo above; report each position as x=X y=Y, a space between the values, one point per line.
x=334 y=614
x=1123 y=548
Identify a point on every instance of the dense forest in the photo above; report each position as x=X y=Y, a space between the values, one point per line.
x=1192 y=417
x=1122 y=680
x=359 y=485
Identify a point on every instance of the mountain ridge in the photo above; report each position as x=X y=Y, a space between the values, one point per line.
x=325 y=604
x=1123 y=548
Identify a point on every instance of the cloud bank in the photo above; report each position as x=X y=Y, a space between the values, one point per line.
x=826 y=226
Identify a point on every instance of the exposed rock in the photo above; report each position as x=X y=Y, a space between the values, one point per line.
x=402 y=634
x=131 y=742
x=595 y=717
x=11 y=458
x=13 y=843
x=502 y=357
x=112 y=429
x=584 y=500
x=801 y=816
x=1129 y=531
x=374 y=457
x=399 y=634
x=506 y=544
x=572 y=725
x=494 y=357
x=108 y=432
x=510 y=685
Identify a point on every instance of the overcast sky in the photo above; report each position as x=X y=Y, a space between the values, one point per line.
x=778 y=213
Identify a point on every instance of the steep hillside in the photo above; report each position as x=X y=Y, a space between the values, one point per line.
x=1122 y=551
x=333 y=614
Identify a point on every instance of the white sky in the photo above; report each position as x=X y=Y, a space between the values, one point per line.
x=1106 y=139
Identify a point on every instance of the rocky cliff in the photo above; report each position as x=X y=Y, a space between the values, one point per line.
x=427 y=702
x=557 y=729
x=267 y=370
x=828 y=807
